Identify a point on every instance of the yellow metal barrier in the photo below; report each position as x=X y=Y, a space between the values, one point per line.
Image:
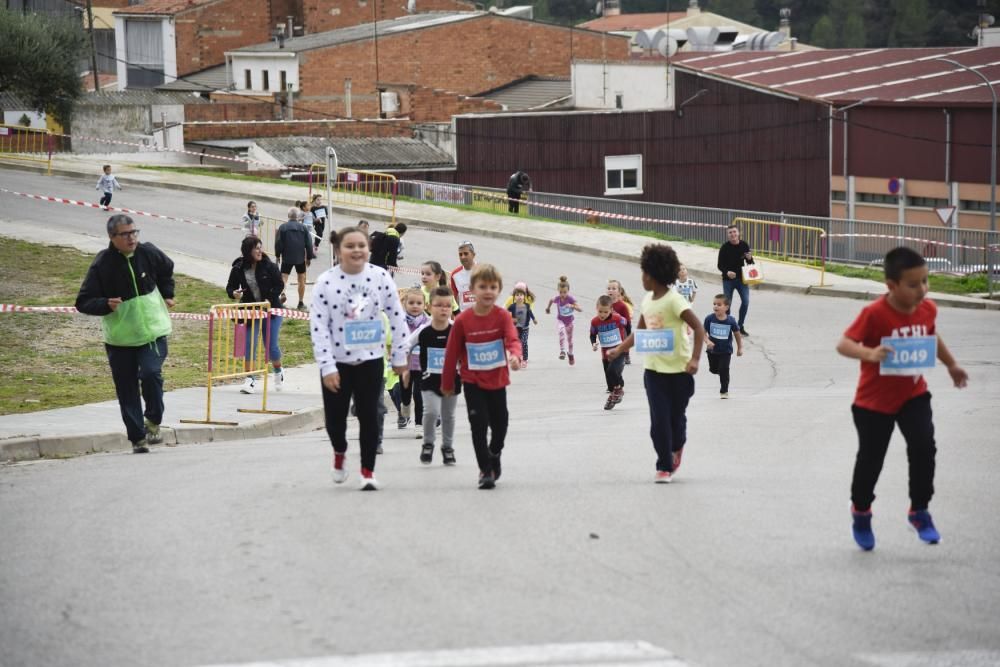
x=788 y=244
x=497 y=202
x=357 y=187
x=268 y=232
x=26 y=144
x=238 y=339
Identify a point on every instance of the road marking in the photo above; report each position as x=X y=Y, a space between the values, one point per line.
x=966 y=658
x=601 y=654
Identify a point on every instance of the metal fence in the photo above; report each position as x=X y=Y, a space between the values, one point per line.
x=862 y=242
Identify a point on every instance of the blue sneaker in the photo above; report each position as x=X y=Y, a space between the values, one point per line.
x=862 y=529
x=924 y=525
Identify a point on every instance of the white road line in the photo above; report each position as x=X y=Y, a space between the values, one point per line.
x=598 y=654
x=966 y=658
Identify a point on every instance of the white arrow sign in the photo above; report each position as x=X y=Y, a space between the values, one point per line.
x=946 y=213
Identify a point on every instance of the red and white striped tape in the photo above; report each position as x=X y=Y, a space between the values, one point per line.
x=226 y=314
x=87 y=204
x=895 y=237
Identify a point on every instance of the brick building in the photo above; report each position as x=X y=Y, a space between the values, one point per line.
x=323 y=15
x=427 y=66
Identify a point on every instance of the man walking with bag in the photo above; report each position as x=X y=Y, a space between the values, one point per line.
x=131 y=286
x=732 y=255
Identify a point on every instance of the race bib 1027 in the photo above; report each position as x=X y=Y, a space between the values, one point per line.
x=363 y=334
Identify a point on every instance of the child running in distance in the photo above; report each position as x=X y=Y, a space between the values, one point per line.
x=107 y=185
x=348 y=336
x=686 y=286
x=529 y=295
x=416 y=319
x=481 y=341
x=621 y=304
x=896 y=340
x=432 y=275
x=565 y=305
x=721 y=327
x=670 y=362
x=430 y=343
x=607 y=331
x=251 y=220
x=520 y=311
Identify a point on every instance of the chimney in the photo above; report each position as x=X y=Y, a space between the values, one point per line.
x=785 y=24
x=693 y=8
x=290 y=23
x=611 y=8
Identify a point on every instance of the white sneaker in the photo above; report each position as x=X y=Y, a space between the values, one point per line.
x=249 y=385
x=339 y=474
x=279 y=381
x=369 y=483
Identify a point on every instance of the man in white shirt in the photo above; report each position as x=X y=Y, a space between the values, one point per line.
x=461 y=276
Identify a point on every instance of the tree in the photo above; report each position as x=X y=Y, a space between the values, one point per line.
x=743 y=11
x=824 y=35
x=38 y=61
x=853 y=34
x=909 y=27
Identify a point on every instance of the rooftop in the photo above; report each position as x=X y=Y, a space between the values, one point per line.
x=129 y=98
x=633 y=22
x=844 y=76
x=531 y=93
x=206 y=81
x=164 y=7
x=387 y=153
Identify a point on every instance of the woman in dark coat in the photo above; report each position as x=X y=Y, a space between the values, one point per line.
x=254 y=279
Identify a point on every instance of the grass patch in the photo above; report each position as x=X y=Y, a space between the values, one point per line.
x=944 y=283
x=56 y=361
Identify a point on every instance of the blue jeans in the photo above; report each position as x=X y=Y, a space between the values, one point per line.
x=254 y=331
x=668 y=395
x=736 y=284
x=134 y=369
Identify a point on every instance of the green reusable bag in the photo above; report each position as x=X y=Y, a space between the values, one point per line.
x=137 y=321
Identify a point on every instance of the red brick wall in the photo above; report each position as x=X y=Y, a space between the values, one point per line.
x=423 y=104
x=250 y=130
x=468 y=57
x=204 y=34
x=323 y=15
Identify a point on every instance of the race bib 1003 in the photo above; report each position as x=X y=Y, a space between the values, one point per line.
x=363 y=334
x=654 y=341
x=909 y=356
x=485 y=356
x=610 y=338
x=435 y=360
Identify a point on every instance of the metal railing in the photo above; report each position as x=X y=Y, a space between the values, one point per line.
x=26 y=144
x=356 y=187
x=785 y=243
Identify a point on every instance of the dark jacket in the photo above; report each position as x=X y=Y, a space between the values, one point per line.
x=293 y=244
x=109 y=277
x=519 y=182
x=268 y=276
x=731 y=258
x=384 y=248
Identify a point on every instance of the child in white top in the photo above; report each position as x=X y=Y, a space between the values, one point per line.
x=348 y=336
x=686 y=287
x=108 y=184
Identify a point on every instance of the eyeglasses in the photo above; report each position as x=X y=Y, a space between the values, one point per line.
x=128 y=235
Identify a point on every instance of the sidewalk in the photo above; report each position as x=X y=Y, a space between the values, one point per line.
x=83 y=429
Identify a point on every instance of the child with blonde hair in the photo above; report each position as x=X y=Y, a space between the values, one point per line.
x=416 y=319
x=520 y=312
x=621 y=304
x=565 y=305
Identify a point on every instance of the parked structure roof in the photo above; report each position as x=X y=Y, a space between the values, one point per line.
x=361 y=153
x=361 y=32
x=633 y=22
x=129 y=98
x=205 y=81
x=845 y=76
x=164 y=7
x=532 y=93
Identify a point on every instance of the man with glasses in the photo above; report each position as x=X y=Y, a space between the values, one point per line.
x=461 y=277
x=131 y=286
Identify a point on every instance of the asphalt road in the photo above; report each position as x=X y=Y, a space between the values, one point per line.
x=242 y=552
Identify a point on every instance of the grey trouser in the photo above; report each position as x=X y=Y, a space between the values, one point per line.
x=439 y=406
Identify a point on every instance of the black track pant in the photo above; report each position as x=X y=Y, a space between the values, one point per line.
x=487 y=410
x=363 y=382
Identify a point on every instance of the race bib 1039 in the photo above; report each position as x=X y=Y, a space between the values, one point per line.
x=485 y=356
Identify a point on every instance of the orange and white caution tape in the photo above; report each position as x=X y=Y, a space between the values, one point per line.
x=219 y=314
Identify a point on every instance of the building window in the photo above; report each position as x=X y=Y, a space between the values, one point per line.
x=619 y=100
x=871 y=198
x=283 y=80
x=265 y=80
x=926 y=202
x=247 y=79
x=838 y=195
x=975 y=206
x=143 y=53
x=623 y=175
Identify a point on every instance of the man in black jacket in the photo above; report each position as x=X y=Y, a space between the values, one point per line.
x=518 y=184
x=293 y=248
x=131 y=286
x=732 y=254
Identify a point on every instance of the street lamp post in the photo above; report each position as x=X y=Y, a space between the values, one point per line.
x=993 y=166
x=848 y=191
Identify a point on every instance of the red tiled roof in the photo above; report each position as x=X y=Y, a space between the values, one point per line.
x=630 y=22
x=162 y=7
x=843 y=76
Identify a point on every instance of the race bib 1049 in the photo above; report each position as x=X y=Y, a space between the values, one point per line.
x=654 y=341
x=485 y=356
x=363 y=334
x=909 y=356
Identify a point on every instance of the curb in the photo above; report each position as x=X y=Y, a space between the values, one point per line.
x=64 y=446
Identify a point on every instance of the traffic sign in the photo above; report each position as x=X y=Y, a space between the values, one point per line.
x=947 y=213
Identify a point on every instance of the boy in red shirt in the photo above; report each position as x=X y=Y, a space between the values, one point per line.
x=481 y=339
x=608 y=331
x=892 y=390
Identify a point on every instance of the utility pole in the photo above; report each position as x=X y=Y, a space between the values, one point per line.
x=93 y=46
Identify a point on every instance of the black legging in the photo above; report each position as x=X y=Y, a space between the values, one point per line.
x=487 y=410
x=363 y=382
x=412 y=390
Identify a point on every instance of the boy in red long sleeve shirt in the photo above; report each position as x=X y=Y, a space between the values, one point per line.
x=480 y=343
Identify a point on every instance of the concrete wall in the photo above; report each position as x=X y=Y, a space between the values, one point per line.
x=131 y=124
x=641 y=85
x=258 y=63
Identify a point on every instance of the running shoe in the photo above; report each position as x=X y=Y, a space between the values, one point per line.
x=338 y=470
x=378 y=450
x=562 y=354
x=628 y=359
x=141 y=447
x=279 y=381
x=402 y=422
x=610 y=403
x=922 y=523
x=723 y=394
x=448 y=456
x=486 y=480
x=678 y=455
x=744 y=332
x=618 y=394
x=572 y=360
x=426 y=453
x=419 y=435
x=249 y=385
x=496 y=466
x=862 y=529
x=153 y=436
x=368 y=481
x=662 y=477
